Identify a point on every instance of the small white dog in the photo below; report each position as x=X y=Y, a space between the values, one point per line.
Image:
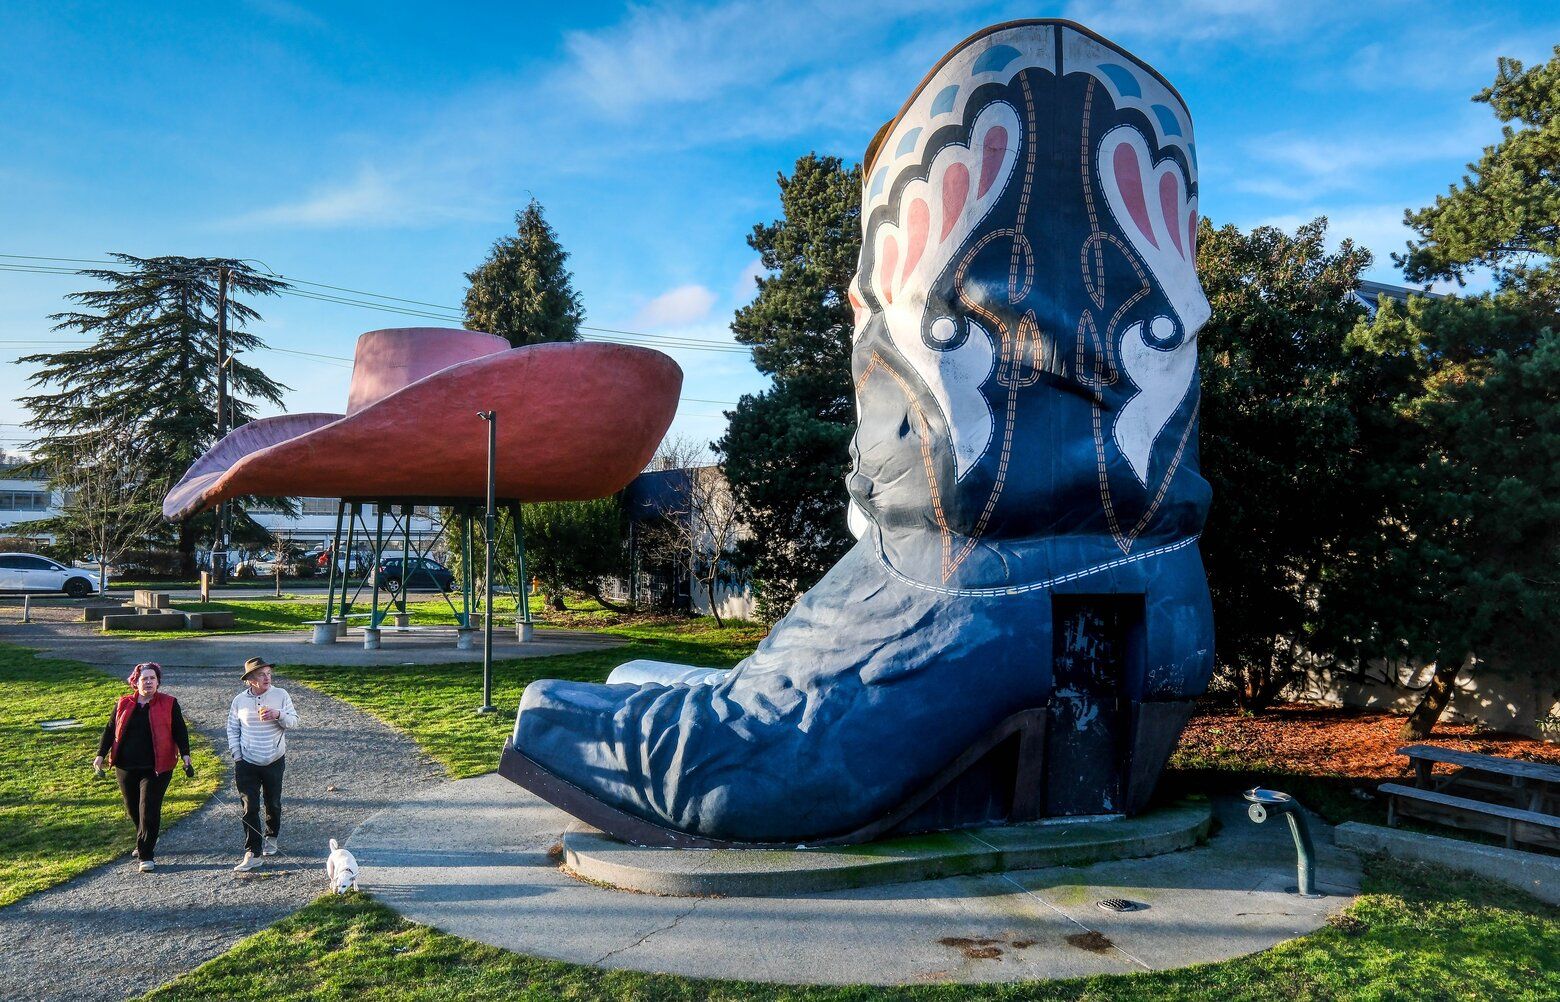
x=341 y=869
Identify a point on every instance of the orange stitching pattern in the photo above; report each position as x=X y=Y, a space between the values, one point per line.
x=1102 y=349
x=925 y=435
x=1010 y=349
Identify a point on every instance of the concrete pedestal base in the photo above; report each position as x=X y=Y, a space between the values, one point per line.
x=371 y=638
x=324 y=633
x=402 y=619
x=781 y=872
x=465 y=640
x=525 y=633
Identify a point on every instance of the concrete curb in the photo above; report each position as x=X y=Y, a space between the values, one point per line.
x=594 y=857
x=1526 y=871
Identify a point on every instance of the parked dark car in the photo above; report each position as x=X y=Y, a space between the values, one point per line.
x=425 y=574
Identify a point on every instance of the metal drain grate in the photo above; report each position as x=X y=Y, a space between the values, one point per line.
x=1119 y=905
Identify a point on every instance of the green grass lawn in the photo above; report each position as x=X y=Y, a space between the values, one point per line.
x=129 y=584
x=271 y=614
x=56 y=820
x=434 y=704
x=1416 y=933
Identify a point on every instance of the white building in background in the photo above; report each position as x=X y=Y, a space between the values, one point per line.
x=23 y=499
x=315 y=525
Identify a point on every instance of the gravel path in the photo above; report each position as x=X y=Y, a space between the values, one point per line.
x=115 y=932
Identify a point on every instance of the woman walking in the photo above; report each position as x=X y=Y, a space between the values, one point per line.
x=142 y=739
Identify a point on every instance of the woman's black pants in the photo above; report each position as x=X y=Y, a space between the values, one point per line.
x=143 y=791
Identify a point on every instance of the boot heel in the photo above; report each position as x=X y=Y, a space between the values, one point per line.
x=997 y=780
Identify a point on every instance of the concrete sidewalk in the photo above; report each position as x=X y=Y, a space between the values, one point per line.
x=477 y=858
x=114 y=932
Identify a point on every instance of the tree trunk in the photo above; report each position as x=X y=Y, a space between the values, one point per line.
x=187 y=548
x=606 y=603
x=709 y=589
x=1439 y=693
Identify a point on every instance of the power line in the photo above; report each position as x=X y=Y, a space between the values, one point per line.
x=447 y=313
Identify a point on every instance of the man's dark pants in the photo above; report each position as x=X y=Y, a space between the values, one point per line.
x=257 y=783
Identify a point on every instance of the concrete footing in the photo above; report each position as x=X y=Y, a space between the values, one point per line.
x=465 y=639
x=324 y=633
x=783 y=872
x=1536 y=874
x=371 y=638
x=145 y=621
x=402 y=619
x=525 y=632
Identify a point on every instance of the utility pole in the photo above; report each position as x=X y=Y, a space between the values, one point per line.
x=219 y=555
x=489 y=528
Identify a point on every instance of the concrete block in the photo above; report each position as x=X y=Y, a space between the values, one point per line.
x=1527 y=871
x=371 y=638
x=93 y=613
x=147 y=621
x=324 y=633
x=209 y=620
x=465 y=639
x=147 y=599
x=402 y=619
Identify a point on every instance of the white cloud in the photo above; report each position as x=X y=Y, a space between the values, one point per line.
x=364 y=198
x=1303 y=167
x=677 y=307
x=1190 y=21
x=1378 y=227
x=745 y=289
x=288 y=13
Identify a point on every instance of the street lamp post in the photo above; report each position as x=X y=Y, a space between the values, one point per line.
x=489 y=525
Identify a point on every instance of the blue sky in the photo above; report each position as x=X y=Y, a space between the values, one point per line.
x=382 y=147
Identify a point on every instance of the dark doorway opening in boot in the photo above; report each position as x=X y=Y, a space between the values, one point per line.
x=1095 y=642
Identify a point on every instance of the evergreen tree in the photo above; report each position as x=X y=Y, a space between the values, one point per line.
x=572 y=546
x=1505 y=214
x=1286 y=424
x=785 y=451
x=151 y=372
x=1463 y=572
x=1473 y=545
x=523 y=292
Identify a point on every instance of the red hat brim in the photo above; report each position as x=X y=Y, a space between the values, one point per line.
x=575 y=421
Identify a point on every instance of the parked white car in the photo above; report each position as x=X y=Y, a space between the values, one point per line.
x=30 y=572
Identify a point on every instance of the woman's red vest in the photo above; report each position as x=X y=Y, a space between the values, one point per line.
x=159 y=712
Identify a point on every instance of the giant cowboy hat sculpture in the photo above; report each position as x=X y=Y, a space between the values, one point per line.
x=577 y=421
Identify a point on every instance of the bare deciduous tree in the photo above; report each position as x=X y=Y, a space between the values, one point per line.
x=700 y=525
x=108 y=502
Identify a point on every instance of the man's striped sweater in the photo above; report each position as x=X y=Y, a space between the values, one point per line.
x=256 y=741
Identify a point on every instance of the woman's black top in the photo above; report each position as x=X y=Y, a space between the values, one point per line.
x=135 y=745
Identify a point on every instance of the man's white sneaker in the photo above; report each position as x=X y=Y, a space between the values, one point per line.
x=268 y=846
x=249 y=862
x=147 y=866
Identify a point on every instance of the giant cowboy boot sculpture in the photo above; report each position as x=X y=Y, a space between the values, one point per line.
x=1024 y=618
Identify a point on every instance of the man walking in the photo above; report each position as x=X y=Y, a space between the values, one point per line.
x=257 y=726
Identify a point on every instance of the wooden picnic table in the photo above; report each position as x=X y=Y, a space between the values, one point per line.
x=1510 y=797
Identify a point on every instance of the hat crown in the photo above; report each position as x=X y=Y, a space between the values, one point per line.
x=387 y=360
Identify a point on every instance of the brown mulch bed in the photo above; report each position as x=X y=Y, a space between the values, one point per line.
x=1323 y=741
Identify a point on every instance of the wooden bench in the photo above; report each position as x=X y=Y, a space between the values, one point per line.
x=1515 y=799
